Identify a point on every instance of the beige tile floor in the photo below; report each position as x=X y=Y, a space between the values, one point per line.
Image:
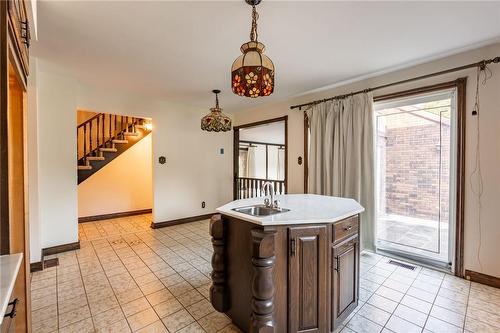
x=127 y=277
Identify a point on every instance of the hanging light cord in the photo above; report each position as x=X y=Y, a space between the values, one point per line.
x=253 y=32
x=476 y=173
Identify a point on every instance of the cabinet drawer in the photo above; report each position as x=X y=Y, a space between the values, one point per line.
x=345 y=228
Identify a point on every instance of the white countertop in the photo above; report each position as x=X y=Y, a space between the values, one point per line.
x=304 y=209
x=9 y=267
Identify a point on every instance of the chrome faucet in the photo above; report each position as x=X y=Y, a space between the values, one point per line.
x=270 y=203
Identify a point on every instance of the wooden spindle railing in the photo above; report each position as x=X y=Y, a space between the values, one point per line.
x=100 y=131
x=252 y=187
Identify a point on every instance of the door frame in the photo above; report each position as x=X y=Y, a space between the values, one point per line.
x=460 y=84
x=236 y=147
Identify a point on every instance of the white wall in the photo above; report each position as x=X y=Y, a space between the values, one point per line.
x=56 y=99
x=490 y=143
x=195 y=170
x=123 y=185
x=32 y=137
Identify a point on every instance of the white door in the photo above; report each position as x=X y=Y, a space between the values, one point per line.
x=415 y=168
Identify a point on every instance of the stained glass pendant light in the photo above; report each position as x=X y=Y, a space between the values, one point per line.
x=252 y=73
x=216 y=121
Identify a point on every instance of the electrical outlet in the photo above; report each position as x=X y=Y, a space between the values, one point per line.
x=222 y=151
x=203 y=204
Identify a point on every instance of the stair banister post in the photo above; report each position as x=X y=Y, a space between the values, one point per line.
x=90 y=136
x=121 y=127
x=77 y=146
x=103 y=135
x=110 y=129
x=85 y=143
x=98 y=130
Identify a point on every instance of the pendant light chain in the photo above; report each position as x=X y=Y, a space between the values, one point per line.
x=252 y=73
x=253 y=32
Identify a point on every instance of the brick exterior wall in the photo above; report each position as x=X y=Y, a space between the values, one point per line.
x=412 y=158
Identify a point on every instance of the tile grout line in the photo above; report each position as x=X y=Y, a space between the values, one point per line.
x=398 y=303
x=195 y=288
x=385 y=278
x=435 y=297
x=183 y=307
x=106 y=276
x=467 y=306
x=404 y=294
x=57 y=295
x=84 y=289
x=177 y=272
x=145 y=296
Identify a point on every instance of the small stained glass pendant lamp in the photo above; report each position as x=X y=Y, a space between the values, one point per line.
x=216 y=121
x=252 y=73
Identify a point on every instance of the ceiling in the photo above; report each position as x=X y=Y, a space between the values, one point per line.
x=182 y=50
x=269 y=133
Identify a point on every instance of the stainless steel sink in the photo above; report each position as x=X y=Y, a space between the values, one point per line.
x=260 y=210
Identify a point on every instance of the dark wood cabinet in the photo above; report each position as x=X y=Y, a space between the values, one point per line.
x=345 y=279
x=285 y=278
x=307 y=283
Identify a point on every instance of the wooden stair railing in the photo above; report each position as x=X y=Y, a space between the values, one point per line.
x=104 y=137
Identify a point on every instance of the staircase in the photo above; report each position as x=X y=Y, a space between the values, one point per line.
x=104 y=137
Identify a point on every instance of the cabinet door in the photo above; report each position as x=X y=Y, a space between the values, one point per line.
x=307 y=281
x=345 y=282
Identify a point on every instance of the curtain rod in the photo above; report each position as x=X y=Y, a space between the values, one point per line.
x=481 y=64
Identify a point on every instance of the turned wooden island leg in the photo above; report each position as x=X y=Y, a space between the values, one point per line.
x=263 y=258
x=218 y=290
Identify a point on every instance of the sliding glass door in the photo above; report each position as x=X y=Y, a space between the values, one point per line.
x=415 y=166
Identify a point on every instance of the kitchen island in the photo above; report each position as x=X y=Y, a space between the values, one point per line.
x=288 y=269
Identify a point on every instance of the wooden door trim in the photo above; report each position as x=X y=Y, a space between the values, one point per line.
x=460 y=85
x=236 y=140
x=4 y=157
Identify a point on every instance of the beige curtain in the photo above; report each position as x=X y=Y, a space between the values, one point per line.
x=341 y=155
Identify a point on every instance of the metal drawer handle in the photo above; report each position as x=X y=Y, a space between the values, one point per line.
x=336 y=264
x=12 y=312
x=292 y=247
x=348 y=228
